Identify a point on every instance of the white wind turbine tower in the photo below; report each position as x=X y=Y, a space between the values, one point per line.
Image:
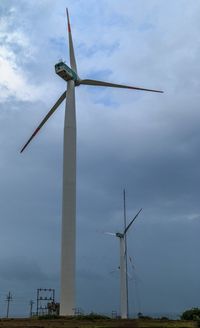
x=123 y=263
x=70 y=75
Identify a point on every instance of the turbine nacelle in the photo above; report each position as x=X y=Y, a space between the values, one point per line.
x=66 y=73
x=119 y=235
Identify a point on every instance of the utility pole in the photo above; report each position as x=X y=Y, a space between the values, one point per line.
x=31 y=307
x=8 y=299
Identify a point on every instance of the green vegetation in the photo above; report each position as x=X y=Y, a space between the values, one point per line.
x=160 y=323
x=91 y=317
x=94 y=321
x=192 y=314
x=48 y=317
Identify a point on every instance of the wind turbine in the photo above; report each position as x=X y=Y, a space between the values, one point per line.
x=123 y=263
x=68 y=244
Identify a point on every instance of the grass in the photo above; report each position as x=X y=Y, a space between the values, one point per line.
x=165 y=324
x=91 y=322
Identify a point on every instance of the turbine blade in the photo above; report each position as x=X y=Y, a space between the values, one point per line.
x=52 y=110
x=128 y=226
x=71 y=47
x=114 y=85
x=115 y=270
x=129 y=275
x=110 y=233
x=131 y=263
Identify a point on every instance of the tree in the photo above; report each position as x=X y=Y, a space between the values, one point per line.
x=192 y=314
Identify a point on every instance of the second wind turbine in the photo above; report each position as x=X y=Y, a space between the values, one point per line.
x=68 y=244
x=123 y=262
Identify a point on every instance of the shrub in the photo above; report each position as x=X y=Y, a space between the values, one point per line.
x=93 y=316
x=145 y=317
x=164 y=318
x=192 y=314
x=48 y=317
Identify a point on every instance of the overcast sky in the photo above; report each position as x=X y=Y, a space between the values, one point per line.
x=145 y=142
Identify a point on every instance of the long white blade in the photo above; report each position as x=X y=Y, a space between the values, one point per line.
x=52 y=110
x=114 y=271
x=131 y=263
x=128 y=226
x=129 y=275
x=71 y=47
x=114 y=85
x=110 y=233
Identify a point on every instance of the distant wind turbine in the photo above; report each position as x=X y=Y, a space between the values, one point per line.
x=70 y=75
x=123 y=263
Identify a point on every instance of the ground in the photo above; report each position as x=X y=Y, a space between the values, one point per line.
x=75 y=323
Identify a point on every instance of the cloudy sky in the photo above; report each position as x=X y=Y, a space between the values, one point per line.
x=146 y=143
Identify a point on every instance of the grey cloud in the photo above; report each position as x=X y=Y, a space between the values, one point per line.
x=21 y=270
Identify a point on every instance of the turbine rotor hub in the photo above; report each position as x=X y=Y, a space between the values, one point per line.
x=119 y=235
